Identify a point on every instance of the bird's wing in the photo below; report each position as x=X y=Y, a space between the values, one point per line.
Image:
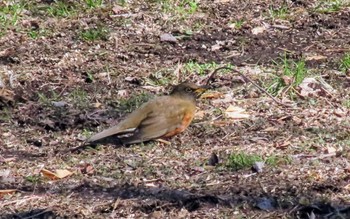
x=128 y=125
x=165 y=118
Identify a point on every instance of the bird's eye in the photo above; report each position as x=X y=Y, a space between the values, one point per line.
x=189 y=90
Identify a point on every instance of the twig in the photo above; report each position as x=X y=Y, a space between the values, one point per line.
x=211 y=76
x=36 y=215
x=22 y=200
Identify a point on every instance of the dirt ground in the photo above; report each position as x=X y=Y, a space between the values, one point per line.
x=68 y=70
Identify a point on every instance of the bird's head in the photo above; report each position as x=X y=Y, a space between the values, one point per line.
x=188 y=89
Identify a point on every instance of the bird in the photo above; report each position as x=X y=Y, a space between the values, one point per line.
x=161 y=117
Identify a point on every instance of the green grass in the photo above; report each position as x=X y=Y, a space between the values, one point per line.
x=242 y=160
x=279 y=13
x=94 y=3
x=182 y=8
x=93 y=34
x=294 y=70
x=345 y=63
x=330 y=6
x=47 y=99
x=79 y=98
x=5 y=114
x=346 y=103
x=34 y=179
x=35 y=34
x=201 y=68
x=237 y=24
x=61 y=9
x=10 y=15
x=130 y=104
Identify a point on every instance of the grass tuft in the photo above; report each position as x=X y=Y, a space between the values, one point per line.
x=93 y=34
x=345 y=63
x=242 y=160
x=293 y=73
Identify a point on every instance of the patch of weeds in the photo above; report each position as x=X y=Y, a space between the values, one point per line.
x=242 y=160
x=128 y=105
x=47 y=99
x=345 y=63
x=293 y=73
x=10 y=14
x=161 y=77
x=79 y=97
x=330 y=6
x=237 y=24
x=94 y=3
x=35 y=34
x=187 y=7
x=183 y=8
x=33 y=179
x=346 y=103
x=61 y=9
x=274 y=160
x=93 y=34
x=5 y=115
x=202 y=69
x=279 y=13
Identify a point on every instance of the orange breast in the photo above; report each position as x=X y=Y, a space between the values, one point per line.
x=186 y=121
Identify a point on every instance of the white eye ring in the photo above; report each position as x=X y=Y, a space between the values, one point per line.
x=189 y=90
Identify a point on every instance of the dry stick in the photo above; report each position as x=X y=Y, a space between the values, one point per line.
x=211 y=76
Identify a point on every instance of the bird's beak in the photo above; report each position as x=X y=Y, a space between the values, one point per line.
x=199 y=91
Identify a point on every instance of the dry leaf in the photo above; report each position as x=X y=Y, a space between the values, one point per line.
x=331 y=150
x=310 y=87
x=211 y=95
x=87 y=169
x=118 y=9
x=167 y=37
x=297 y=120
x=59 y=174
x=97 y=105
x=200 y=114
x=235 y=112
x=258 y=30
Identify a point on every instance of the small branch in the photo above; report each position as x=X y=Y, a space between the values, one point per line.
x=211 y=76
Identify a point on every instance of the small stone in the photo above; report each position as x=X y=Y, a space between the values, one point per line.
x=258 y=166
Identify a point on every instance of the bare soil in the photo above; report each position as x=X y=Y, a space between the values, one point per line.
x=58 y=87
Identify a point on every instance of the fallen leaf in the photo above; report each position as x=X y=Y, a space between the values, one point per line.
x=117 y=9
x=258 y=30
x=235 y=112
x=200 y=114
x=310 y=87
x=97 y=105
x=331 y=150
x=297 y=120
x=87 y=169
x=58 y=174
x=211 y=95
x=6 y=95
x=167 y=37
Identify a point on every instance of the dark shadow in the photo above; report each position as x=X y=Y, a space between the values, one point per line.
x=156 y=198
x=33 y=214
x=21 y=155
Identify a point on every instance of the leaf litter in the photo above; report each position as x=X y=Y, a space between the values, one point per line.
x=45 y=112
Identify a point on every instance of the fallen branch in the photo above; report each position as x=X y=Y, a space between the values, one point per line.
x=211 y=76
